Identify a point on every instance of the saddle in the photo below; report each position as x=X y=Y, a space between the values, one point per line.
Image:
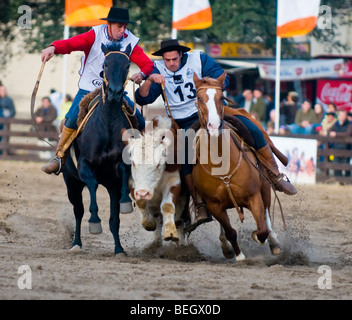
x=91 y=100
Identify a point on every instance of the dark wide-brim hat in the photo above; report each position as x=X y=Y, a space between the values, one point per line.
x=118 y=15
x=170 y=45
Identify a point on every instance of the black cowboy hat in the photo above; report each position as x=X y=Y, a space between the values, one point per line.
x=118 y=15
x=170 y=45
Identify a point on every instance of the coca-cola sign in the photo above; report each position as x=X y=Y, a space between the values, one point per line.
x=336 y=91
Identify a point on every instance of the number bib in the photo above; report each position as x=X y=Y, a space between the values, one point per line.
x=179 y=86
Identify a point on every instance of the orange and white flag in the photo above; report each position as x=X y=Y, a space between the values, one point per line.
x=86 y=13
x=296 y=17
x=191 y=14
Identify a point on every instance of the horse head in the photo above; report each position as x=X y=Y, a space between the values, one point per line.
x=209 y=103
x=115 y=71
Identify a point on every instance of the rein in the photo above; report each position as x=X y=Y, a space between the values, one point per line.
x=34 y=94
x=167 y=102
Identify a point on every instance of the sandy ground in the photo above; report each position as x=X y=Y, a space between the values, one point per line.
x=36 y=228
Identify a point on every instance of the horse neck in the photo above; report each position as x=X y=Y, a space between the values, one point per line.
x=221 y=151
x=112 y=111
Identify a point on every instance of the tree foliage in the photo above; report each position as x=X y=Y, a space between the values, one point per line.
x=245 y=21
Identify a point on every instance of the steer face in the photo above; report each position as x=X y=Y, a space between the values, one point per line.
x=148 y=157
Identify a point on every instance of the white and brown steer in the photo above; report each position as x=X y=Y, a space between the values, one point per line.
x=155 y=182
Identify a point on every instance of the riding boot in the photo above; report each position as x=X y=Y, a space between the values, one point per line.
x=202 y=213
x=274 y=175
x=55 y=164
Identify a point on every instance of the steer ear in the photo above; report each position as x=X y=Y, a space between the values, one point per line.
x=126 y=136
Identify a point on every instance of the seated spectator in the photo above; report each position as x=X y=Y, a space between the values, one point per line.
x=259 y=105
x=327 y=123
x=289 y=107
x=270 y=126
x=245 y=100
x=270 y=105
x=304 y=119
x=319 y=111
x=45 y=116
x=342 y=128
x=7 y=107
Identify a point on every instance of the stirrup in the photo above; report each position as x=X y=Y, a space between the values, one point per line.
x=280 y=177
x=59 y=160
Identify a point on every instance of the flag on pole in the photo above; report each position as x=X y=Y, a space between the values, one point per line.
x=86 y=13
x=191 y=14
x=296 y=18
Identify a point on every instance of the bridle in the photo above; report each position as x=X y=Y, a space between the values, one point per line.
x=105 y=80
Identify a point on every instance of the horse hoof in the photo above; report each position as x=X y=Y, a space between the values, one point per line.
x=275 y=250
x=95 y=228
x=255 y=238
x=126 y=207
x=121 y=255
x=240 y=257
x=76 y=249
x=228 y=254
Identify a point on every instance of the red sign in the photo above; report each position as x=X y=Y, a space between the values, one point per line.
x=336 y=91
x=215 y=50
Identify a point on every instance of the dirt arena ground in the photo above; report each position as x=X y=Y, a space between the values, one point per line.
x=36 y=228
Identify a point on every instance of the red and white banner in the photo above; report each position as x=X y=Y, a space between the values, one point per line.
x=302 y=70
x=335 y=91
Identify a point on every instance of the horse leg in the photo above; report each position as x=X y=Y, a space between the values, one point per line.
x=226 y=246
x=274 y=244
x=87 y=175
x=230 y=233
x=74 y=192
x=256 y=206
x=125 y=201
x=114 y=221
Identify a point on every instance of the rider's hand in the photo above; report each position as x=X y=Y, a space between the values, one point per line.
x=157 y=78
x=137 y=77
x=48 y=53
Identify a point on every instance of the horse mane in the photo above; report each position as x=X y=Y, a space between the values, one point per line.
x=210 y=81
x=114 y=46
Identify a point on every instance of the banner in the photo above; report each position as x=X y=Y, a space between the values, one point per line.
x=191 y=14
x=335 y=91
x=302 y=70
x=302 y=159
x=86 y=13
x=296 y=18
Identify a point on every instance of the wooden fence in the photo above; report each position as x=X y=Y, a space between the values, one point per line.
x=19 y=141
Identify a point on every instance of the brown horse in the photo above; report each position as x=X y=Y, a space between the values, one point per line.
x=234 y=181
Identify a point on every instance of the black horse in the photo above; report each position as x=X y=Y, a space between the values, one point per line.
x=98 y=149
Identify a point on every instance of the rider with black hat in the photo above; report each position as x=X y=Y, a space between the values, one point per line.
x=115 y=31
